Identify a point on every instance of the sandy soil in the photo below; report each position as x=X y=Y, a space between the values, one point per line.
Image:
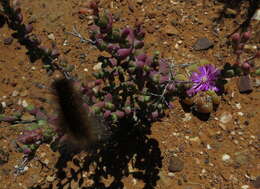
x=212 y=154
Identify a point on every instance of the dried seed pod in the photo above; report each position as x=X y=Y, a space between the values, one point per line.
x=205 y=108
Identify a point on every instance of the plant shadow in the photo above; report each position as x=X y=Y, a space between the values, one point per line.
x=129 y=151
x=236 y=5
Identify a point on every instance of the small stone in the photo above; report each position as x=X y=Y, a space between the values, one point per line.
x=171 y=174
x=27 y=117
x=256 y=182
x=245 y=187
x=170 y=30
x=175 y=164
x=256 y=15
x=245 y=84
x=225 y=117
x=97 y=66
x=8 y=41
x=203 y=44
x=187 y=117
x=50 y=178
x=195 y=139
x=226 y=157
x=51 y=36
x=24 y=103
x=15 y=93
x=238 y=106
x=4 y=157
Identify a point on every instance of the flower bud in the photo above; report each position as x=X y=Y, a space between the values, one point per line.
x=141 y=57
x=98 y=82
x=113 y=61
x=125 y=32
x=108 y=98
x=123 y=53
x=246 y=66
x=28 y=28
x=138 y=44
x=246 y=36
x=99 y=104
x=19 y=17
x=27 y=151
x=155 y=115
x=236 y=37
x=139 y=64
x=120 y=114
x=107 y=114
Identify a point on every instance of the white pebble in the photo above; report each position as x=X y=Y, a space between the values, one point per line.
x=97 y=66
x=15 y=93
x=240 y=113
x=3 y=104
x=225 y=157
x=24 y=103
x=51 y=37
x=245 y=187
x=238 y=105
x=225 y=117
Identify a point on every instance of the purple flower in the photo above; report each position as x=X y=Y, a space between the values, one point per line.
x=204 y=80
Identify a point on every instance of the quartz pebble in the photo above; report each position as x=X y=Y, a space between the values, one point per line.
x=226 y=157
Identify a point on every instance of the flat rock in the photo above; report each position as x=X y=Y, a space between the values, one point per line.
x=202 y=44
x=175 y=164
x=256 y=183
x=225 y=117
x=28 y=117
x=245 y=84
x=170 y=30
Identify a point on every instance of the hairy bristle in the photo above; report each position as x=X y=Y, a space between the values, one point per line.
x=75 y=120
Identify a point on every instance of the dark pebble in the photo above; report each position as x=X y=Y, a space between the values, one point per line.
x=245 y=84
x=175 y=165
x=256 y=183
x=8 y=41
x=1 y=109
x=2 y=21
x=4 y=157
x=203 y=44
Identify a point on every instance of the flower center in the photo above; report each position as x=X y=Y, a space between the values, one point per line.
x=204 y=79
